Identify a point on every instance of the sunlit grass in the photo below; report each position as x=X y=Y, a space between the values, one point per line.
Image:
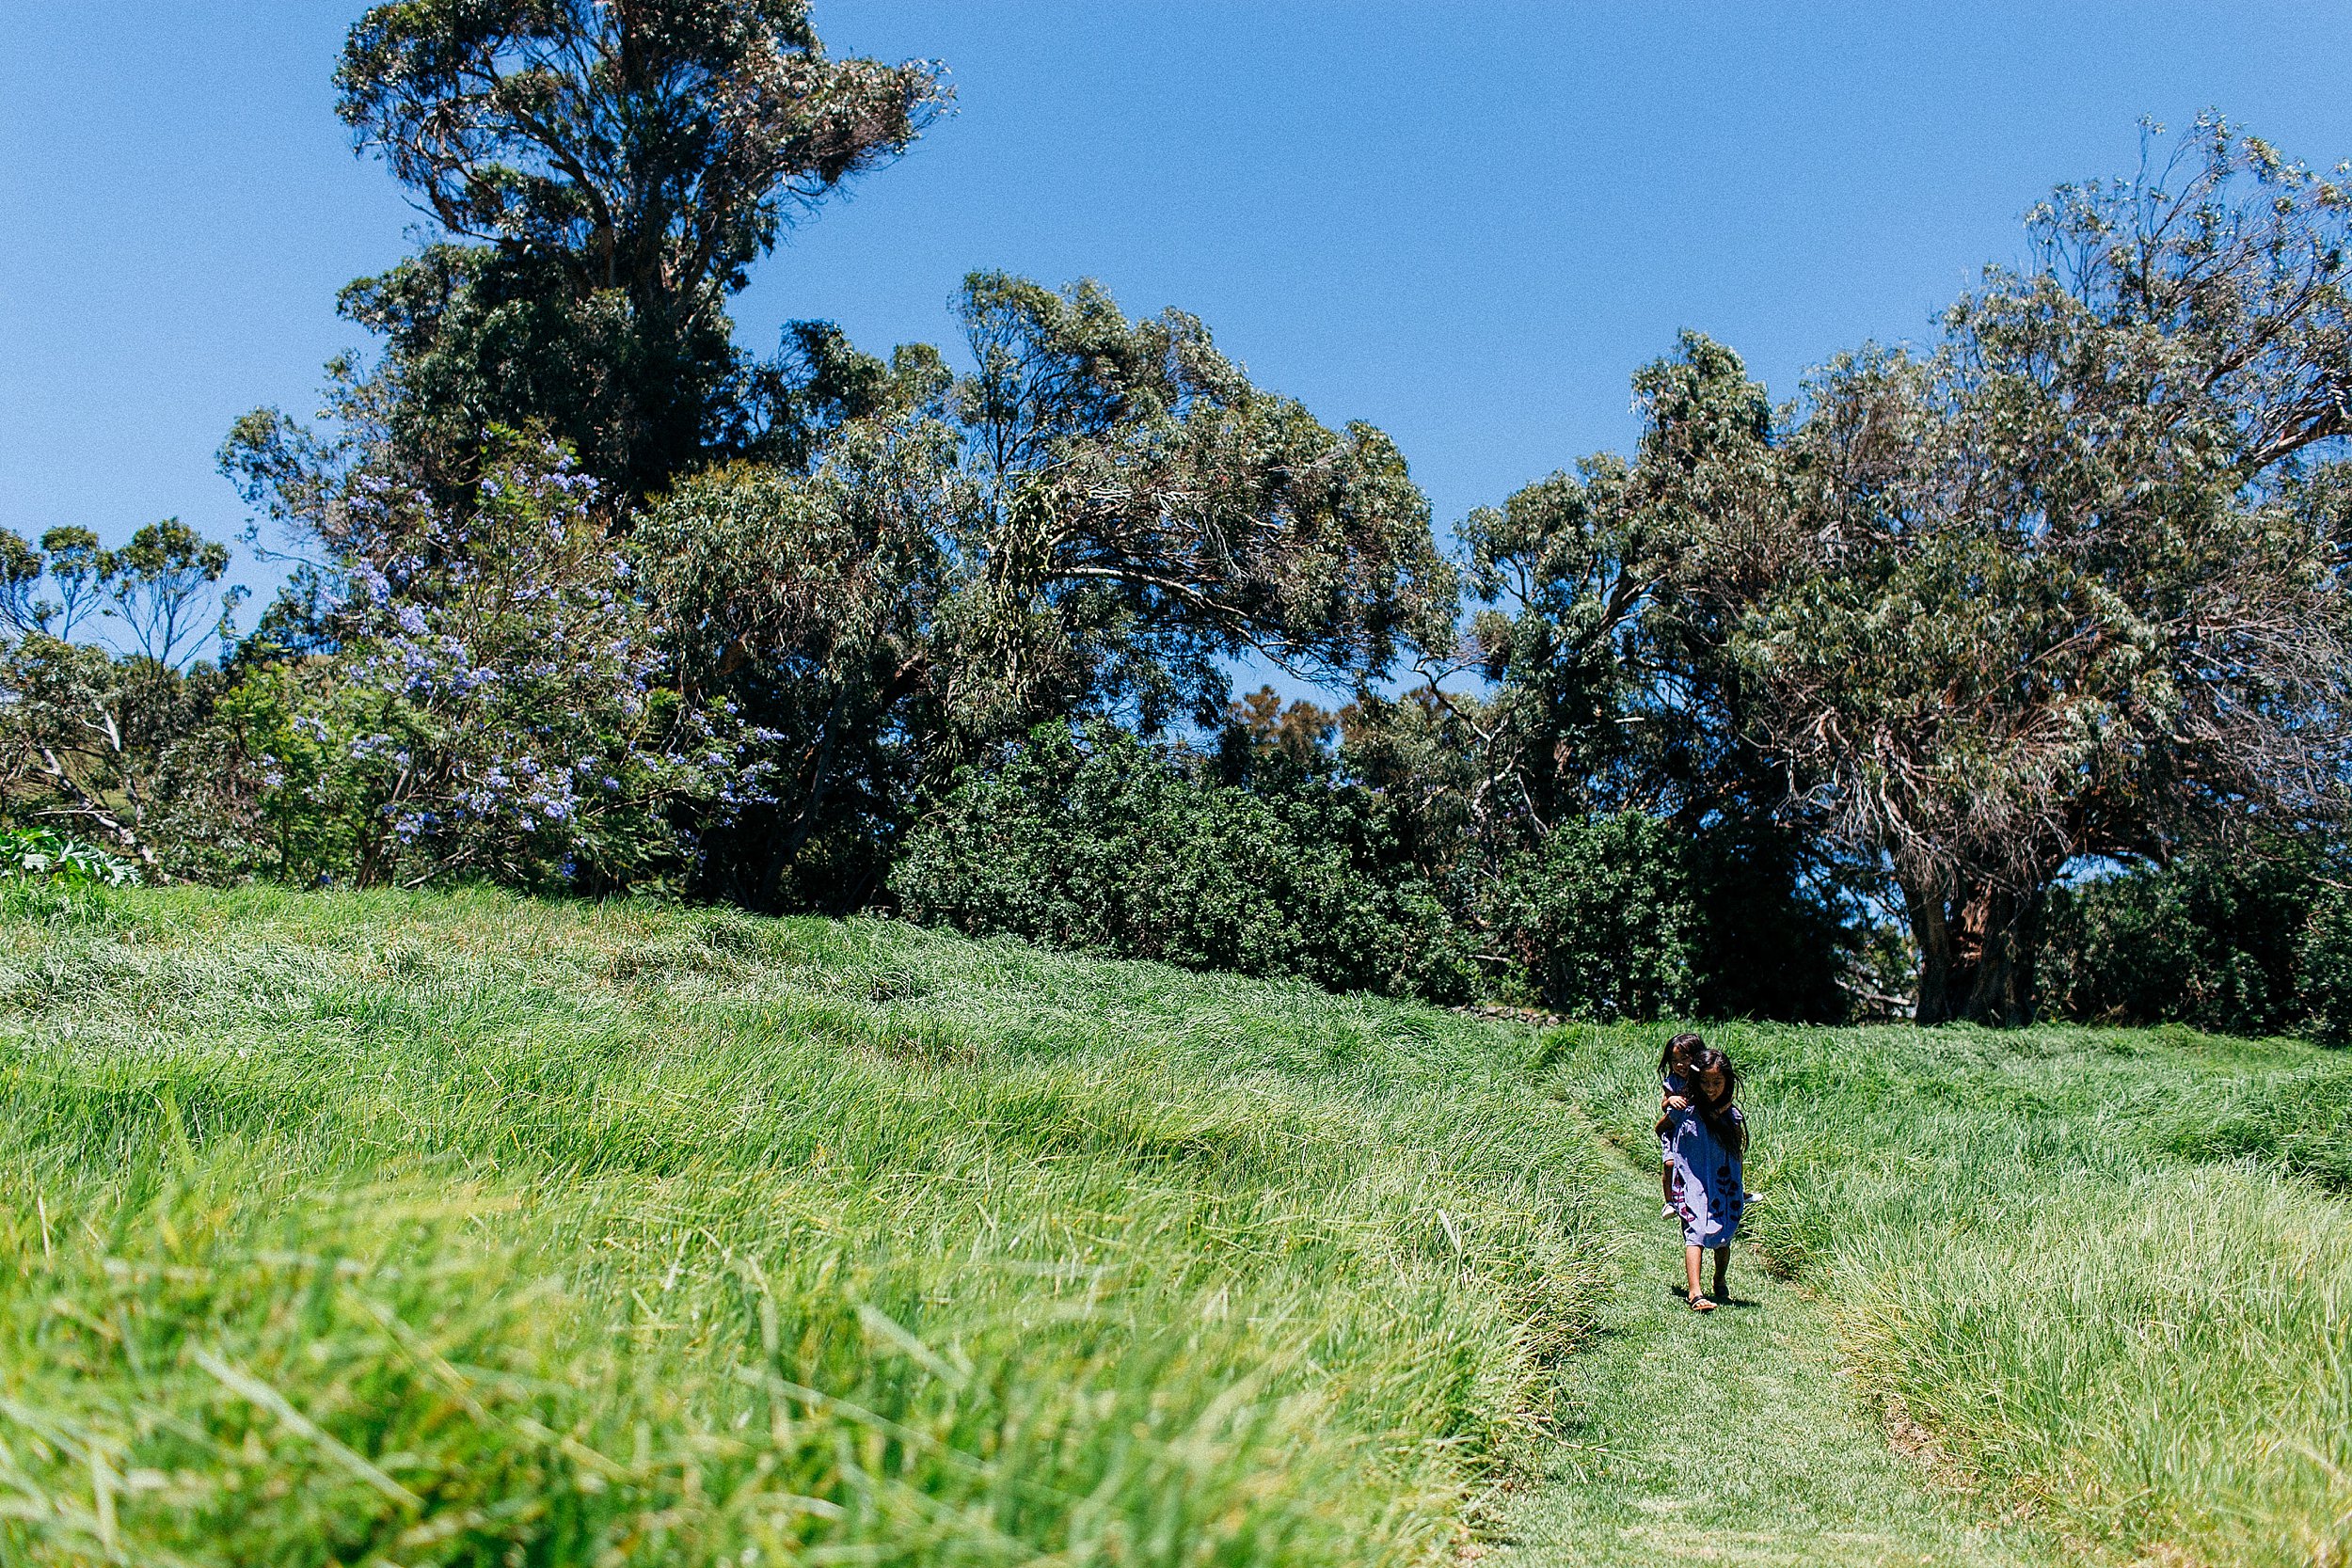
x=2108 y=1271
x=465 y=1229
x=428 y=1229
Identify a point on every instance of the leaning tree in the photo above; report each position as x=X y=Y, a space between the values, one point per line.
x=1095 y=521
x=2071 y=584
x=2068 y=583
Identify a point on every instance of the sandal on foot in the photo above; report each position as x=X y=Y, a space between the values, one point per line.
x=1700 y=1304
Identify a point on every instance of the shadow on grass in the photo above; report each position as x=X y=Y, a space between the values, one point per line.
x=1675 y=1295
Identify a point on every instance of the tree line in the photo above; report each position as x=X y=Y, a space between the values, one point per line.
x=1801 y=709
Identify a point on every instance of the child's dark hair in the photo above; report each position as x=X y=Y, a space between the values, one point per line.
x=1729 y=1129
x=1682 y=1049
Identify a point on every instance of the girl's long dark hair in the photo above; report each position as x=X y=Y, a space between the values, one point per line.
x=1729 y=1130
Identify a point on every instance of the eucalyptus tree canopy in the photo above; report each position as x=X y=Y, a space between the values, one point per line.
x=1616 y=687
x=165 y=586
x=79 y=568
x=1092 y=522
x=2073 y=583
x=1606 y=639
x=22 y=567
x=608 y=172
x=2068 y=583
x=1141 y=512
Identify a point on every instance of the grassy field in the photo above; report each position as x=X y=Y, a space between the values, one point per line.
x=461 y=1230
x=2101 y=1279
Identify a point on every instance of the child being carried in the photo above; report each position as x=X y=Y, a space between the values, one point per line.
x=1701 y=1137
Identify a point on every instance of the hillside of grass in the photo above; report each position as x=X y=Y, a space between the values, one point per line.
x=431 y=1229
x=465 y=1229
x=2097 y=1280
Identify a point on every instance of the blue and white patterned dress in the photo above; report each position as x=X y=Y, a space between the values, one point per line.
x=1702 y=1181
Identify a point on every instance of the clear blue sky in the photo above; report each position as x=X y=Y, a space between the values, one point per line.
x=1466 y=223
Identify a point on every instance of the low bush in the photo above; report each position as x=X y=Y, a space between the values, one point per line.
x=1262 y=861
x=1099 y=842
x=2213 y=940
x=38 y=855
x=2324 y=983
x=1601 y=921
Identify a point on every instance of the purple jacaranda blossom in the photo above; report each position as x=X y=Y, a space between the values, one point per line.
x=509 y=702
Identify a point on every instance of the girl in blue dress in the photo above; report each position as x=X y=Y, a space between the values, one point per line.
x=1702 y=1137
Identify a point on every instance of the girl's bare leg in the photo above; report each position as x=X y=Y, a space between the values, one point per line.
x=1723 y=1261
x=1690 y=1267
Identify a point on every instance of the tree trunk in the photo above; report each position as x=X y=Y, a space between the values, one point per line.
x=784 y=850
x=1975 y=956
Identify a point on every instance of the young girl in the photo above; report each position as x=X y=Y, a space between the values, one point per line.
x=1674 y=1070
x=1701 y=1142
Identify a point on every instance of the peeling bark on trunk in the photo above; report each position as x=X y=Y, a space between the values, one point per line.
x=1975 y=956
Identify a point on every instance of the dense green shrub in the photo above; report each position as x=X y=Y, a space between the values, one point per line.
x=1600 y=921
x=1100 y=843
x=1261 y=861
x=2324 y=987
x=1766 y=942
x=2213 y=940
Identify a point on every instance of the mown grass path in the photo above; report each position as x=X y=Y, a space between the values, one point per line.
x=1728 y=1436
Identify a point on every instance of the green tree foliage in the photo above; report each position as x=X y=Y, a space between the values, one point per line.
x=39 y=855
x=1103 y=844
x=618 y=169
x=1094 y=523
x=78 y=569
x=1601 y=920
x=1614 y=686
x=809 y=605
x=2213 y=940
x=2064 y=583
x=1272 y=855
x=2064 y=587
x=1260 y=725
x=22 y=567
x=87 y=738
x=165 y=586
x=2325 y=982
x=90 y=738
x=1147 y=511
x=493 y=708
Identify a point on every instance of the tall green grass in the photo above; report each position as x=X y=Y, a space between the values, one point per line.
x=2108 y=1273
x=419 y=1230
x=425 y=1229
